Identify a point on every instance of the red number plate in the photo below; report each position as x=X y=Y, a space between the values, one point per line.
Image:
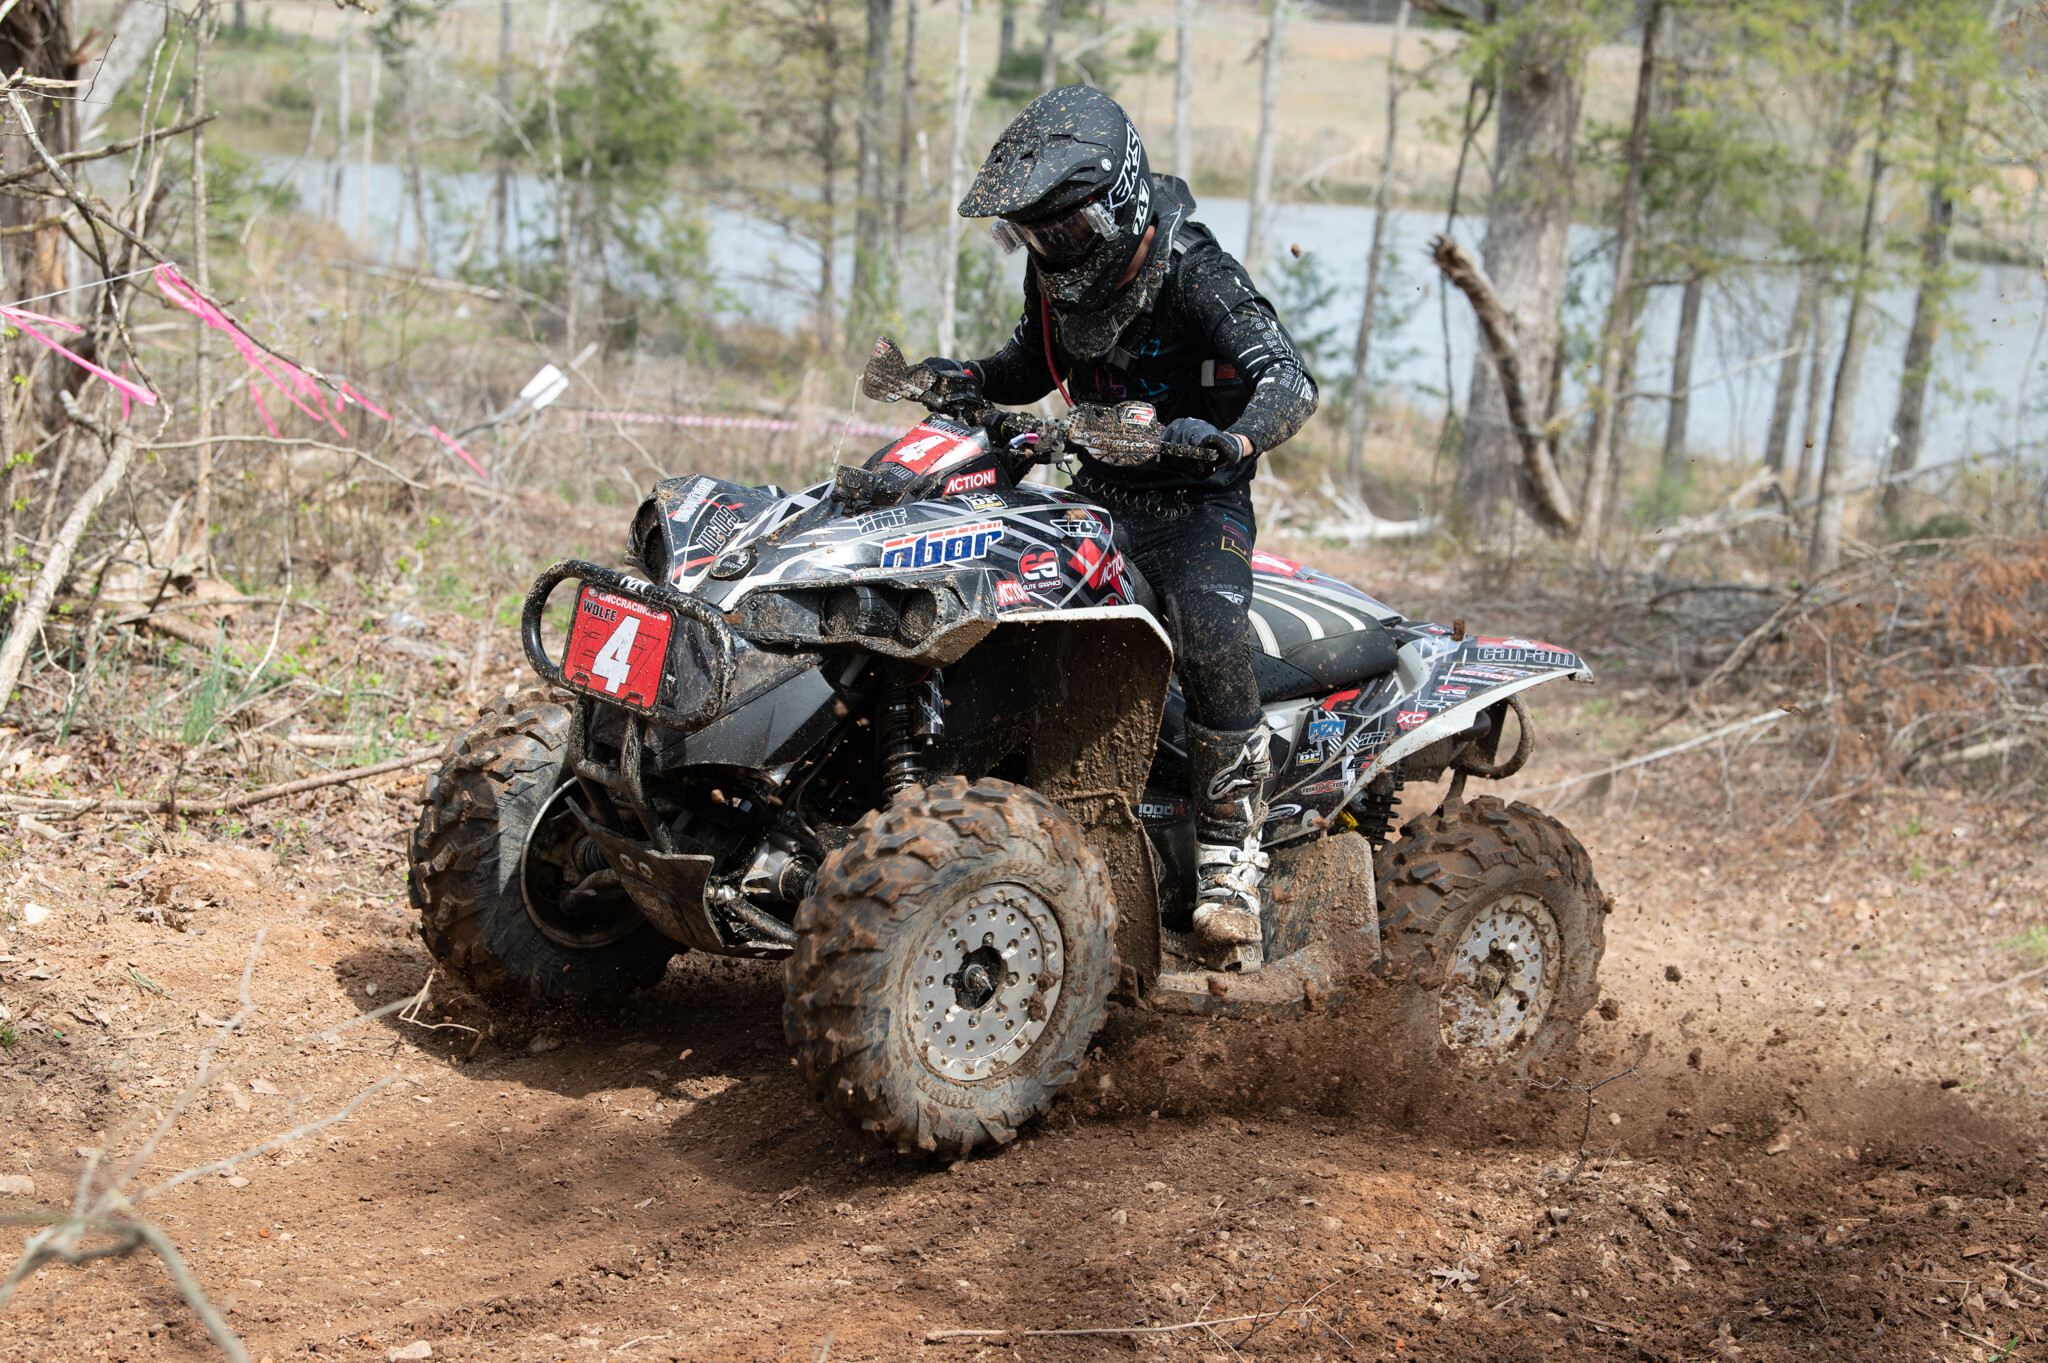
x=617 y=647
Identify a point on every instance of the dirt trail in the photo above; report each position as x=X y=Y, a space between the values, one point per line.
x=1788 y=1177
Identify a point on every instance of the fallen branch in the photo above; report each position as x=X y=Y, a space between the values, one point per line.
x=28 y=620
x=1586 y=1132
x=227 y=805
x=1768 y=717
x=1553 y=503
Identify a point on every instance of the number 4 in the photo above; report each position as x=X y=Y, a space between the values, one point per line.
x=613 y=661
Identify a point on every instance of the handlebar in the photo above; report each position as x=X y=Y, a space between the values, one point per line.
x=1126 y=435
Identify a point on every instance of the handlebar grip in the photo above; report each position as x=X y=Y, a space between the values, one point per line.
x=1192 y=454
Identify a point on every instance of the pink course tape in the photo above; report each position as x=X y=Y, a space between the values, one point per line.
x=730 y=423
x=442 y=436
x=23 y=318
x=295 y=383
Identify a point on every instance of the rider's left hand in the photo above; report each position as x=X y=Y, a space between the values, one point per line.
x=1192 y=430
x=958 y=371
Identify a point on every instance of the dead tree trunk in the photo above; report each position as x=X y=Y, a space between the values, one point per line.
x=866 y=302
x=1354 y=430
x=1825 y=551
x=1527 y=241
x=1508 y=362
x=1262 y=157
x=956 y=176
x=1049 y=60
x=1621 y=304
x=1681 y=380
x=906 y=136
x=1184 y=89
x=1787 y=394
x=1816 y=400
x=1927 y=307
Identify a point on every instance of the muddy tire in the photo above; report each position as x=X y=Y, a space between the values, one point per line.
x=1493 y=927
x=478 y=860
x=952 y=963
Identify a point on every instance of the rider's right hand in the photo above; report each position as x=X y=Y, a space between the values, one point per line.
x=953 y=371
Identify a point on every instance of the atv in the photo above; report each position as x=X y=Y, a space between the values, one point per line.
x=915 y=733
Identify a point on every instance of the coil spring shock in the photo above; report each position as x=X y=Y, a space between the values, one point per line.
x=902 y=748
x=1373 y=807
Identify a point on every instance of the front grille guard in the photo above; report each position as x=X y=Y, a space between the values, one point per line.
x=624 y=778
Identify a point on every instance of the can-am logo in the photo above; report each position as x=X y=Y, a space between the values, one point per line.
x=937 y=547
x=968 y=482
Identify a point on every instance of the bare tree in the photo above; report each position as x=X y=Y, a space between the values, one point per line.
x=1622 y=303
x=1049 y=60
x=906 y=135
x=1354 y=431
x=1184 y=89
x=1682 y=350
x=1928 y=301
x=868 y=191
x=1269 y=121
x=1826 y=548
x=197 y=546
x=1527 y=237
x=956 y=179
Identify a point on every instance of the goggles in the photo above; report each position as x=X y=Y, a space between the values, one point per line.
x=1060 y=243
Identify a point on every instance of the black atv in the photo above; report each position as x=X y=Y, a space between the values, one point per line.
x=915 y=732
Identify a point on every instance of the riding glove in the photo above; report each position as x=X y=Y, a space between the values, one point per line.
x=1192 y=430
x=958 y=371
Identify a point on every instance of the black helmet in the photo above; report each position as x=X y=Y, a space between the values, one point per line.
x=1069 y=180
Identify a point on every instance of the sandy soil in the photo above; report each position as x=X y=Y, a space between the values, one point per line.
x=1831 y=1149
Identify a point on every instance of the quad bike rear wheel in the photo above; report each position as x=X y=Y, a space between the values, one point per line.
x=952 y=963
x=1492 y=922
x=510 y=900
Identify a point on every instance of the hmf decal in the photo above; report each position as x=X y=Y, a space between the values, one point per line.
x=957 y=544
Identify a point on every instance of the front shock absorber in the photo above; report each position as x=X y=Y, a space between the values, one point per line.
x=913 y=716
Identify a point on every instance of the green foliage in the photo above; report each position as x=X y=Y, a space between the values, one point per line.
x=611 y=137
x=2033 y=943
x=986 y=302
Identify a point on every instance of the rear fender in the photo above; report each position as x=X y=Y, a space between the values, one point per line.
x=1439 y=689
x=1447 y=684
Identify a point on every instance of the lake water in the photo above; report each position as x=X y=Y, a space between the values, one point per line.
x=769 y=275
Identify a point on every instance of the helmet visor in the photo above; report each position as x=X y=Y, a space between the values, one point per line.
x=1063 y=242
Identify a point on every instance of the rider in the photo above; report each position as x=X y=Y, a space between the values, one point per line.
x=1126 y=298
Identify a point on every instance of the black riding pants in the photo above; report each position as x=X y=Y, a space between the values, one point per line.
x=1197 y=553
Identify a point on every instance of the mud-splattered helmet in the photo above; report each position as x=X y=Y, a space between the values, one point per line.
x=1068 y=180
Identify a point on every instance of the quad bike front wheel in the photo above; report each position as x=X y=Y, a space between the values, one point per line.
x=952 y=963
x=511 y=899
x=1491 y=922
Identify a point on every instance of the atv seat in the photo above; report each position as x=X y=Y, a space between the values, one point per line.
x=1306 y=646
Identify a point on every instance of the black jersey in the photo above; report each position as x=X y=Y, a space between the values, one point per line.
x=1210 y=346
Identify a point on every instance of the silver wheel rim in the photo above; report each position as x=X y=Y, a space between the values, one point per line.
x=985 y=983
x=1502 y=976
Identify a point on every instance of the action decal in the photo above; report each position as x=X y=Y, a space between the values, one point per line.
x=1010 y=592
x=958 y=544
x=1100 y=565
x=968 y=482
